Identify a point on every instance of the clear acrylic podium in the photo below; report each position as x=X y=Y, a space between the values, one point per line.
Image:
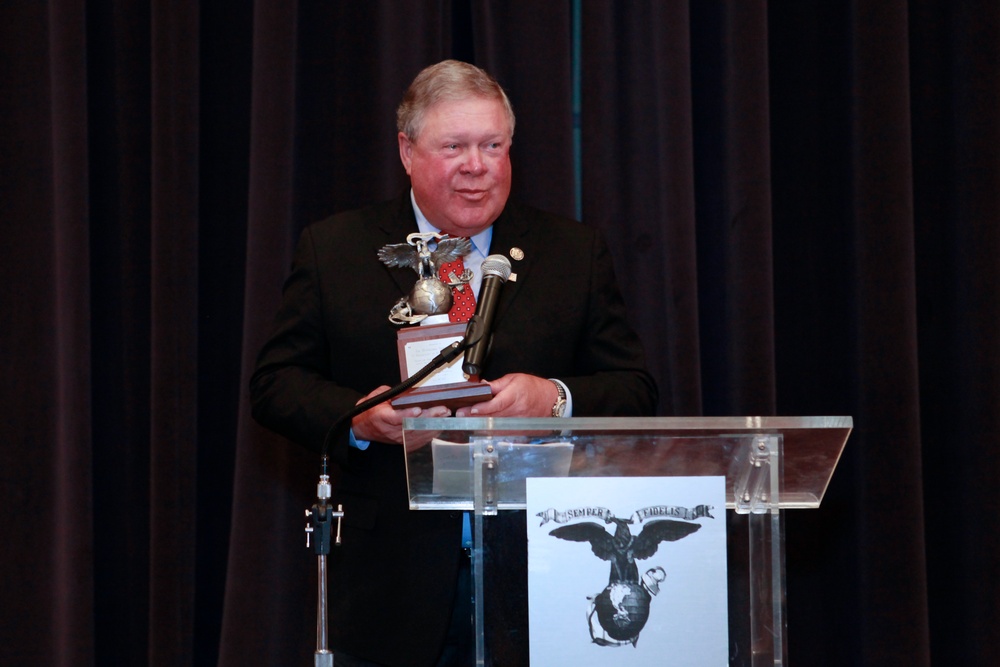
x=769 y=464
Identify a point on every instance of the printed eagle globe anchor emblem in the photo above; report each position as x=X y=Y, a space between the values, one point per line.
x=619 y=612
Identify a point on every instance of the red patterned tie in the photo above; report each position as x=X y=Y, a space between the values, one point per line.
x=463 y=305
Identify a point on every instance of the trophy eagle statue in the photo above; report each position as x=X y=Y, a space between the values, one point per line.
x=425 y=254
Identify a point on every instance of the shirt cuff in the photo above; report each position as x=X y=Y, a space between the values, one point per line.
x=358 y=444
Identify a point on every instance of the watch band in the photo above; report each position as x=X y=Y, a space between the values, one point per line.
x=559 y=408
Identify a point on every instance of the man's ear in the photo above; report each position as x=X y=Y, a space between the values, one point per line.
x=405 y=151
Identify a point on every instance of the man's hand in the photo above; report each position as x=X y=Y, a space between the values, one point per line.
x=383 y=423
x=515 y=395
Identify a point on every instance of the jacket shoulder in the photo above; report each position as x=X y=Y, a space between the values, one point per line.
x=372 y=219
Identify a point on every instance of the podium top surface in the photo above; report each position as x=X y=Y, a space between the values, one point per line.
x=438 y=450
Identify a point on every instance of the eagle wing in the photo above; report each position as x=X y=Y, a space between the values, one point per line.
x=600 y=539
x=398 y=254
x=648 y=541
x=449 y=249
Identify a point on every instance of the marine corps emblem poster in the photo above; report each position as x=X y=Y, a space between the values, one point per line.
x=627 y=571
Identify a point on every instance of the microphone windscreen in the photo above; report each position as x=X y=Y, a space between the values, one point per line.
x=496 y=265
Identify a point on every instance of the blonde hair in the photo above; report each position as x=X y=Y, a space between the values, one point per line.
x=448 y=80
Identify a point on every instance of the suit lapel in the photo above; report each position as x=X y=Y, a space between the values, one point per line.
x=513 y=238
x=395 y=227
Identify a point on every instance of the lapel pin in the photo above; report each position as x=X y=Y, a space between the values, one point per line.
x=516 y=254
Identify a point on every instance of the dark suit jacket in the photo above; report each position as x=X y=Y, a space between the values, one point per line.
x=392 y=581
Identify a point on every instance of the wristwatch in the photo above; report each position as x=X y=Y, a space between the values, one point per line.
x=560 y=406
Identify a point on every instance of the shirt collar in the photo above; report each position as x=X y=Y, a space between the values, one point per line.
x=480 y=242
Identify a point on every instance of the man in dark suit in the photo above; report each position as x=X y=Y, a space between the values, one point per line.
x=560 y=328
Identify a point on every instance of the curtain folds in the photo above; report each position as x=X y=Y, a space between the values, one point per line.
x=70 y=588
x=803 y=205
x=173 y=399
x=888 y=376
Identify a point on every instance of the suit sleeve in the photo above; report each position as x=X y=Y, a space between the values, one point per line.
x=291 y=390
x=610 y=377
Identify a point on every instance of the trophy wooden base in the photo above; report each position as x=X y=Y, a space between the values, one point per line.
x=452 y=395
x=448 y=386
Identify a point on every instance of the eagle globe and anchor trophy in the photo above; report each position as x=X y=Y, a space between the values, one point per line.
x=425 y=253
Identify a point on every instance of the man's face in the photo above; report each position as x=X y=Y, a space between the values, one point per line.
x=459 y=165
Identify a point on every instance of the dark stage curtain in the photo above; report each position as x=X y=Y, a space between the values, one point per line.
x=802 y=200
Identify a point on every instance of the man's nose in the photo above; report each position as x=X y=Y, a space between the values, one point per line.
x=474 y=163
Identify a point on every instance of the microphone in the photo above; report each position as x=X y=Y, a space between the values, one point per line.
x=496 y=270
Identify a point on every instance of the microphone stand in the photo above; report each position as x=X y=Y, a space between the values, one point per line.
x=320 y=529
x=322 y=513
